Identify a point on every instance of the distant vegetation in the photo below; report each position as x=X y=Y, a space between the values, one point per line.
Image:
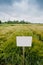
x=15 y=22
x=18 y=22
x=0 y=22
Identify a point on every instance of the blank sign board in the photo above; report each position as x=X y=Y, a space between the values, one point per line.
x=24 y=41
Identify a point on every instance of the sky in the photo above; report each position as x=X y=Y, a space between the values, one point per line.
x=27 y=10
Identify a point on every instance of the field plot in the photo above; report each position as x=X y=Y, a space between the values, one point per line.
x=10 y=54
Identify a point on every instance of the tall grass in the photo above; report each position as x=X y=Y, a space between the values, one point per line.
x=10 y=54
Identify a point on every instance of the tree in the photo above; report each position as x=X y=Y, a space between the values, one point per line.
x=0 y=21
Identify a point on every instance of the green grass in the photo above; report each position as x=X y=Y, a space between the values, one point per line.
x=11 y=54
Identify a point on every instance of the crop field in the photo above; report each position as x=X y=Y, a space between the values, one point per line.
x=10 y=54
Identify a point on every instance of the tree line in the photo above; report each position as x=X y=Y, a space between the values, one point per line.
x=15 y=22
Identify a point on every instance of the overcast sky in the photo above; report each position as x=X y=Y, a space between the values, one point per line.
x=28 y=10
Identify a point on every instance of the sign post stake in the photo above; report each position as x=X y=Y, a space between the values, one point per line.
x=23 y=55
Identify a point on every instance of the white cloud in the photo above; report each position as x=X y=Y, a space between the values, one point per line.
x=5 y=16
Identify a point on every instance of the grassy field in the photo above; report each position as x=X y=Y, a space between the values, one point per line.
x=10 y=54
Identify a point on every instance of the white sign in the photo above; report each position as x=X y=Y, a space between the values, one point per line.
x=24 y=41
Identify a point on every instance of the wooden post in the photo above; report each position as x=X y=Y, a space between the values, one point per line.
x=23 y=55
